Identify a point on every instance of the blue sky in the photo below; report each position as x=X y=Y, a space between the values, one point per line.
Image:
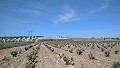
x=73 y=18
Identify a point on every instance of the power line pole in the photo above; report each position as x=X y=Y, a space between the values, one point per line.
x=31 y=34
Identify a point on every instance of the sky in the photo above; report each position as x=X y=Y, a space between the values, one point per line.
x=71 y=18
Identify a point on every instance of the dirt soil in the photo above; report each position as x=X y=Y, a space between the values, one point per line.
x=47 y=59
x=14 y=62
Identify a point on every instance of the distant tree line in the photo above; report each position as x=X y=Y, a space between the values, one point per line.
x=111 y=38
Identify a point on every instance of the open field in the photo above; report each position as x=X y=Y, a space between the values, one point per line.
x=12 y=44
x=59 y=33
x=64 y=53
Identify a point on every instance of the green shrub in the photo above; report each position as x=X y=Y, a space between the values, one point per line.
x=5 y=58
x=98 y=46
x=105 y=47
x=14 y=53
x=51 y=49
x=68 y=60
x=102 y=49
x=116 y=51
x=31 y=56
x=93 y=47
x=20 y=51
x=30 y=65
x=79 y=51
x=111 y=46
x=68 y=46
x=91 y=56
x=82 y=50
x=61 y=55
x=116 y=65
x=88 y=45
x=59 y=46
x=107 y=53
x=71 y=50
x=81 y=66
x=38 y=47
x=30 y=46
x=35 y=51
x=26 y=48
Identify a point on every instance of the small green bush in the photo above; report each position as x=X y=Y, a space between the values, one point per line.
x=51 y=49
x=68 y=46
x=111 y=46
x=98 y=46
x=91 y=56
x=116 y=65
x=81 y=66
x=31 y=56
x=14 y=53
x=102 y=49
x=79 y=51
x=116 y=51
x=34 y=52
x=71 y=50
x=5 y=58
x=30 y=65
x=26 y=48
x=30 y=46
x=82 y=49
x=88 y=45
x=93 y=47
x=107 y=53
x=59 y=46
x=68 y=60
x=38 y=47
x=61 y=55
x=20 y=51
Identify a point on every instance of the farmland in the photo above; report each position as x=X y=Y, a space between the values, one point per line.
x=62 y=53
x=59 y=33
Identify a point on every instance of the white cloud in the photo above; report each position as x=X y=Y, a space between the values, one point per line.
x=30 y=11
x=68 y=15
x=98 y=9
x=104 y=5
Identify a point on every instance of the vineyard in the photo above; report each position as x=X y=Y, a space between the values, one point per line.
x=62 y=54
